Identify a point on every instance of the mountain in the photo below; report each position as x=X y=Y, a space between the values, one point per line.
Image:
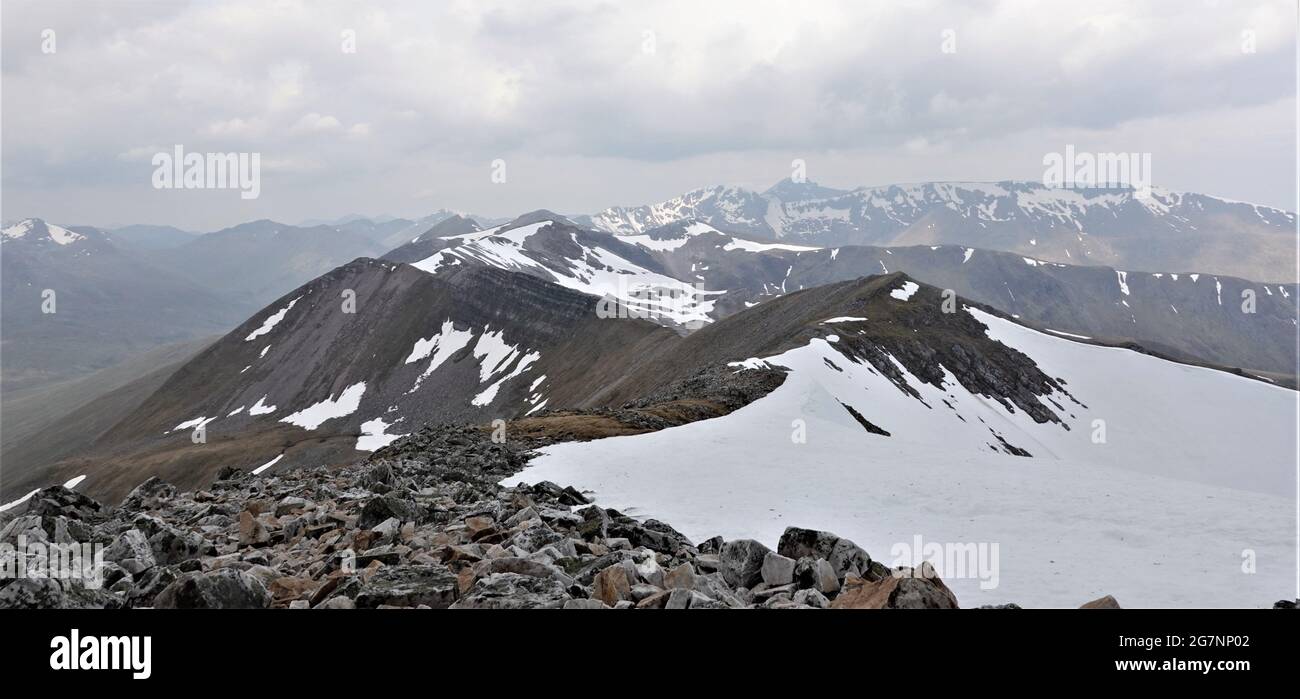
x=1113 y=227
x=862 y=407
x=688 y=273
x=392 y=232
x=1190 y=315
x=549 y=246
x=146 y=237
x=108 y=304
x=305 y=382
x=433 y=240
x=257 y=262
x=906 y=429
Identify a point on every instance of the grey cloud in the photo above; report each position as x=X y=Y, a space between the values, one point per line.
x=439 y=91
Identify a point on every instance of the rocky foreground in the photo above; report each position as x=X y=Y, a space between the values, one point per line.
x=424 y=524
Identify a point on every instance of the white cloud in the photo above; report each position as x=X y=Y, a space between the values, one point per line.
x=317 y=122
x=732 y=91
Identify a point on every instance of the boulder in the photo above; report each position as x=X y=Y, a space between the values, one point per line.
x=381 y=507
x=409 y=586
x=131 y=551
x=904 y=590
x=811 y=598
x=225 y=588
x=170 y=544
x=741 y=562
x=585 y=604
x=251 y=530
x=53 y=593
x=149 y=495
x=825 y=580
x=1106 y=602
x=681 y=577
x=514 y=591
x=797 y=543
x=612 y=585
x=777 y=569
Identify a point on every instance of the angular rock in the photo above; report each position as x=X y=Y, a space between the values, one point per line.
x=226 y=588
x=382 y=507
x=514 y=591
x=904 y=591
x=741 y=562
x=811 y=598
x=409 y=586
x=585 y=604
x=131 y=551
x=149 y=495
x=612 y=585
x=826 y=581
x=1106 y=602
x=797 y=543
x=777 y=569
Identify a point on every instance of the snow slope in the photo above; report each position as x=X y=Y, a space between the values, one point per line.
x=592 y=270
x=1197 y=467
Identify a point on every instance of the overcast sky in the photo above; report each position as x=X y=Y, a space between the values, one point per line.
x=595 y=104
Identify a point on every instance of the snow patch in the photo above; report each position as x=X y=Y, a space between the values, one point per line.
x=270 y=322
x=328 y=409
x=374 y=435
x=905 y=292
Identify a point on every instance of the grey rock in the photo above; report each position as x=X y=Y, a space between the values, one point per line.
x=132 y=551
x=585 y=604
x=797 y=543
x=811 y=598
x=514 y=591
x=777 y=569
x=742 y=562
x=225 y=588
x=409 y=586
x=827 y=582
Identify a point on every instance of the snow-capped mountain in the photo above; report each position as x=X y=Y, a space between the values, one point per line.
x=34 y=231
x=689 y=273
x=1115 y=227
x=551 y=247
x=896 y=420
x=346 y=363
x=862 y=407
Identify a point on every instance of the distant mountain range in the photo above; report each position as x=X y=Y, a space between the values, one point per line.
x=75 y=301
x=689 y=273
x=462 y=320
x=1114 y=227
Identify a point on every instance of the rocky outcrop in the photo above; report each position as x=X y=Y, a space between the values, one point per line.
x=424 y=524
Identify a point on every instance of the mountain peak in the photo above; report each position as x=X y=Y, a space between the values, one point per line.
x=789 y=190
x=37 y=230
x=537 y=217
